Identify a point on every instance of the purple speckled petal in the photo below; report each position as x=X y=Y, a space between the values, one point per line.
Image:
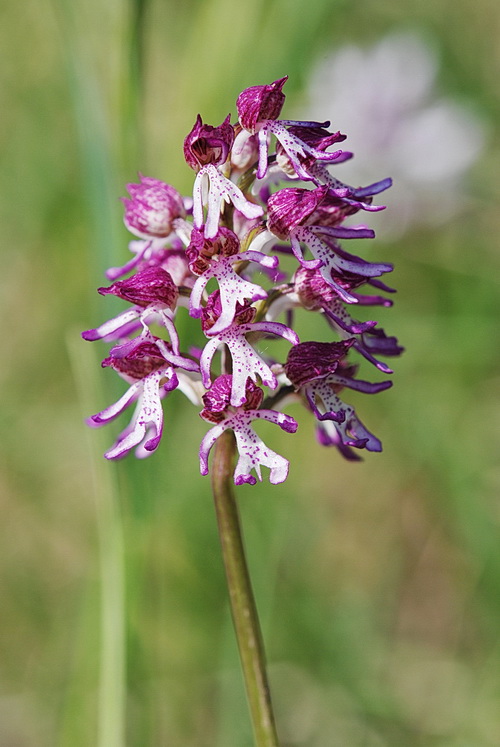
x=254 y=454
x=263 y=259
x=285 y=422
x=350 y=428
x=148 y=421
x=215 y=198
x=179 y=361
x=275 y=328
x=158 y=314
x=112 y=412
x=296 y=148
x=319 y=173
x=334 y=260
x=233 y=289
x=332 y=408
x=230 y=191
x=307 y=264
x=207 y=442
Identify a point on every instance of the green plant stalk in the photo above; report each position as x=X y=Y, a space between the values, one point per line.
x=243 y=608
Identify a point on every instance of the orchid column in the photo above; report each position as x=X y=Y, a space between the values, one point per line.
x=263 y=190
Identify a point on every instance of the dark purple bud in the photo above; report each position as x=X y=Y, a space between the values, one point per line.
x=201 y=249
x=142 y=360
x=151 y=285
x=289 y=208
x=152 y=208
x=208 y=145
x=217 y=399
x=257 y=104
x=315 y=360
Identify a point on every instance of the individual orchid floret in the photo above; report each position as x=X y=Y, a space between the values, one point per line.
x=301 y=149
x=151 y=377
x=253 y=453
x=206 y=150
x=291 y=213
x=233 y=288
x=153 y=207
x=246 y=362
x=320 y=371
x=154 y=295
x=258 y=110
x=314 y=293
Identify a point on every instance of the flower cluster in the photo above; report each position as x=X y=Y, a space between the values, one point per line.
x=249 y=209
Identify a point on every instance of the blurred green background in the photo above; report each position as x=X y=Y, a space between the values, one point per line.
x=378 y=583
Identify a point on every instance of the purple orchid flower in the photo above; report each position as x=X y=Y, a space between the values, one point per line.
x=319 y=370
x=206 y=150
x=246 y=362
x=150 y=369
x=253 y=453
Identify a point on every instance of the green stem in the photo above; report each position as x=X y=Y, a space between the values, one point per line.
x=243 y=609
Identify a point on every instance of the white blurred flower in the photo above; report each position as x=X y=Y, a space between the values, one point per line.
x=384 y=99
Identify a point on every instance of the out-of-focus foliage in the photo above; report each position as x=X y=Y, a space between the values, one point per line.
x=379 y=582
